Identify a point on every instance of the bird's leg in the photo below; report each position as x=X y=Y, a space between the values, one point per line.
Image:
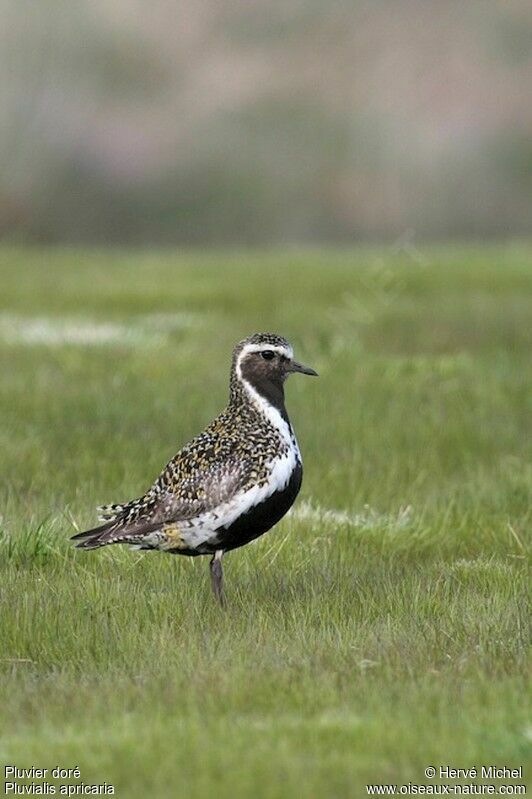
x=217 y=576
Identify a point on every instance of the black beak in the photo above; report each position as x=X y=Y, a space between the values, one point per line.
x=294 y=366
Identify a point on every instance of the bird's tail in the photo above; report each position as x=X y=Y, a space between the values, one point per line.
x=122 y=524
x=117 y=531
x=98 y=536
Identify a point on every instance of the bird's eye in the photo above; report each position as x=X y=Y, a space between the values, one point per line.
x=268 y=355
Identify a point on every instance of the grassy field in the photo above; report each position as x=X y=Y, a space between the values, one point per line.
x=382 y=627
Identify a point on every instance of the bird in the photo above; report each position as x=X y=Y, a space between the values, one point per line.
x=232 y=482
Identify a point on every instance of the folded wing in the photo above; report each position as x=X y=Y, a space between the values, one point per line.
x=192 y=484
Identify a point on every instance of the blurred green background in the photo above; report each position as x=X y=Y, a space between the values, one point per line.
x=327 y=160
x=266 y=122
x=381 y=627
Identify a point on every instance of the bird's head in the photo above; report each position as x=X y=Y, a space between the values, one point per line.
x=262 y=362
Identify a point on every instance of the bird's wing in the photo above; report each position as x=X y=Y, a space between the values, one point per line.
x=203 y=475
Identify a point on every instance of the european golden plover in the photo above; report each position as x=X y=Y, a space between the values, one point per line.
x=231 y=483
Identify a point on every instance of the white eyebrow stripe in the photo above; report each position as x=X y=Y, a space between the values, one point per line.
x=249 y=348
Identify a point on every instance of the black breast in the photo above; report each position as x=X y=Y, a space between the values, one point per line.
x=262 y=517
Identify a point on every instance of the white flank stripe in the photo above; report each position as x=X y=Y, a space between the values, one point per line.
x=203 y=528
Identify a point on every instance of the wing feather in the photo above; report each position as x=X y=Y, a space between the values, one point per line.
x=187 y=488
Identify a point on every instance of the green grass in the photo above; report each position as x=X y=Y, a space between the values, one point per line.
x=357 y=647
